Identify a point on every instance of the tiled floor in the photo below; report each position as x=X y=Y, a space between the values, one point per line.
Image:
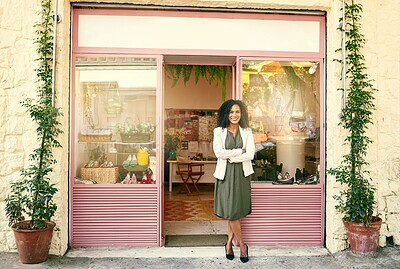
x=206 y=193
x=194 y=227
x=193 y=210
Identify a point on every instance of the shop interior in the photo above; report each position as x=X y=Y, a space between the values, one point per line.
x=115 y=126
x=191 y=115
x=283 y=105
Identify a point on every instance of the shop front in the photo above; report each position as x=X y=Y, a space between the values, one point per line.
x=124 y=100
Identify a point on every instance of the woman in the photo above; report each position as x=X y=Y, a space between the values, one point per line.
x=234 y=147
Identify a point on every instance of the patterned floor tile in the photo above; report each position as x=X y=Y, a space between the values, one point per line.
x=189 y=210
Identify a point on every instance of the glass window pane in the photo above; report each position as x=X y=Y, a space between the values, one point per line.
x=283 y=99
x=115 y=114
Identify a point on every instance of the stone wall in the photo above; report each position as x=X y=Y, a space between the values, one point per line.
x=17 y=135
x=381 y=26
x=17 y=79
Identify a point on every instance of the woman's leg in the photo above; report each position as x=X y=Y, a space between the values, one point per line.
x=237 y=231
x=229 y=244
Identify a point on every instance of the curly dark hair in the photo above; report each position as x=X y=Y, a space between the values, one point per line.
x=223 y=114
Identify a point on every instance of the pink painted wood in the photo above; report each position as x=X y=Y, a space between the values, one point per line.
x=194 y=51
x=115 y=215
x=284 y=216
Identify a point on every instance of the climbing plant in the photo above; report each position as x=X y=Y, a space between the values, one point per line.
x=211 y=73
x=32 y=195
x=356 y=201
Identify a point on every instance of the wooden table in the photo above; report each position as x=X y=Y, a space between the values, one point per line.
x=209 y=168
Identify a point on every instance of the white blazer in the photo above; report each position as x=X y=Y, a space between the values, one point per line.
x=233 y=155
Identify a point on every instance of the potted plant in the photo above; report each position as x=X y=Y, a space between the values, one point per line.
x=172 y=140
x=357 y=200
x=136 y=133
x=30 y=206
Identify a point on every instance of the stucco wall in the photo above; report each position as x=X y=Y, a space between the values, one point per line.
x=384 y=64
x=17 y=81
x=381 y=26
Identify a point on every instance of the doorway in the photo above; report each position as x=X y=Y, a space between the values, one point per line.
x=191 y=102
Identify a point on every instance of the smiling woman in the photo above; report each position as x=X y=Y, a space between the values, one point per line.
x=233 y=145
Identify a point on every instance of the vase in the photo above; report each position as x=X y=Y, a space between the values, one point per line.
x=172 y=154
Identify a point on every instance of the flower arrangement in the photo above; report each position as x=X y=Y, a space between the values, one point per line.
x=172 y=139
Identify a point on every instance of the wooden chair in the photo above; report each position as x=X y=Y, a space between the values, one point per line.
x=189 y=173
x=196 y=172
x=183 y=170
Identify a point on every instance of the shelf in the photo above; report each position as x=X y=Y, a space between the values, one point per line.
x=118 y=143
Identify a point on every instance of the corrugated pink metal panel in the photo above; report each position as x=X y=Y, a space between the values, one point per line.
x=115 y=215
x=285 y=216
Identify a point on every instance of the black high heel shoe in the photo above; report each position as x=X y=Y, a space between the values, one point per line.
x=229 y=256
x=245 y=259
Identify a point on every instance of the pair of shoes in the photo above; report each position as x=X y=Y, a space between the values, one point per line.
x=311 y=179
x=229 y=256
x=283 y=181
x=245 y=259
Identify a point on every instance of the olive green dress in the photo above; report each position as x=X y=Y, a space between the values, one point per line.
x=232 y=196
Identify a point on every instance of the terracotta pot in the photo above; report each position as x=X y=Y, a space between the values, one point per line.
x=363 y=240
x=34 y=245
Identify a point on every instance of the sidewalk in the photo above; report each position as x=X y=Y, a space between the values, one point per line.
x=210 y=257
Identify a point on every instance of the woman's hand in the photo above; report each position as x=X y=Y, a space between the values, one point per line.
x=243 y=151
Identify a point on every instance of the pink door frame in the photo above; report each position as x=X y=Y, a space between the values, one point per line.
x=159 y=53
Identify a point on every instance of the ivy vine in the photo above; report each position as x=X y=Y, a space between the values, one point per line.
x=357 y=201
x=32 y=195
x=211 y=73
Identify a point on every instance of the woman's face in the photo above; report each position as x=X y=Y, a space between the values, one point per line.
x=234 y=114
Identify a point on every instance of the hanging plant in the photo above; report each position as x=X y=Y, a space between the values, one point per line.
x=211 y=73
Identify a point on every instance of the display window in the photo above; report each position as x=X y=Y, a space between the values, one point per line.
x=283 y=99
x=115 y=120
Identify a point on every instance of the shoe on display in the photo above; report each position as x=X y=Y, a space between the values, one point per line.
x=287 y=176
x=298 y=175
x=284 y=181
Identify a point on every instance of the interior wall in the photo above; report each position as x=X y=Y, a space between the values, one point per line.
x=195 y=96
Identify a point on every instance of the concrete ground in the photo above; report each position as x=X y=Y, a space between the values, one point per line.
x=210 y=257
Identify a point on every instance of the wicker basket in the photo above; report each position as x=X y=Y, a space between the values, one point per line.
x=136 y=138
x=100 y=175
x=94 y=137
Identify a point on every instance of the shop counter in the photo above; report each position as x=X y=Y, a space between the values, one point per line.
x=209 y=168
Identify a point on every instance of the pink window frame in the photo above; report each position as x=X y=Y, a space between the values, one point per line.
x=168 y=13
x=241 y=54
